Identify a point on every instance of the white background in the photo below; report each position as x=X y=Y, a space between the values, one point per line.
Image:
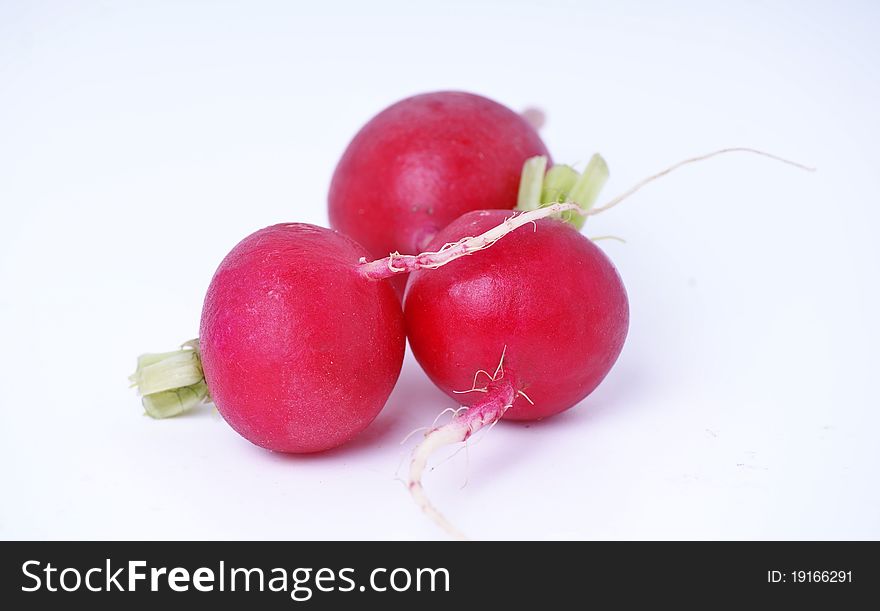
x=140 y=141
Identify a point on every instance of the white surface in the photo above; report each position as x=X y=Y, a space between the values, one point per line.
x=140 y=141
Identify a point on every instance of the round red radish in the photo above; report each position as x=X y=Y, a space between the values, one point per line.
x=300 y=352
x=545 y=296
x=425 y=161
x=548 y=301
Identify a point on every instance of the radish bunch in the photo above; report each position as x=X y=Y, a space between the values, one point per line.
x=509 y=309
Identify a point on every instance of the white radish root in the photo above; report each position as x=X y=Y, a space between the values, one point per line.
x=500 y=393
x=396 y=263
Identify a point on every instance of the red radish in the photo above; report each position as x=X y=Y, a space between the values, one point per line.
x=550 y=296
x=531 y=326
x=423 y=162
x=299 y=349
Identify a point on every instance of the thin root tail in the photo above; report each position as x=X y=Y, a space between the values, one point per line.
x=499 y=397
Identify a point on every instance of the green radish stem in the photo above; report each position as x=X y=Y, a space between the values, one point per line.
x=529 y=196
x=561 y=184
x=170 y=382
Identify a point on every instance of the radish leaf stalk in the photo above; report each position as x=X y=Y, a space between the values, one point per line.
x=561 y=184
x=170 y=382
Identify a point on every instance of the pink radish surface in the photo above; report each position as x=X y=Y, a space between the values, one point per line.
x=425 y=161
x=545 y=295
x=300 y=352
